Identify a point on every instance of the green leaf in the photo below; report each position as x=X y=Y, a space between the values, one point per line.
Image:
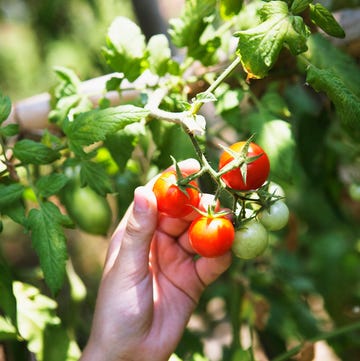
x=243 y=355
x=35 y=313
x=94 y=175
x=159 y=58
x=9 y=130
x=50 y=184
x=51 y=140
x=10 y=193
x=275 y=137
x=199 y=357
x=69 y=82
x=194 y=30
x=346 y=102
x=298 y=6
x=114 y=82
x=7 y=299
x=7 y=329
x=66 y=348
x=122 y=143
x=301 y=101
x=16 y=211
x=230 y=8
x=125 y=49
x=227 y=99
x=5 y=108
x=69 y=107
x=30 y=152
x=205 y=97
x=192 y=21
x=49 y=242
x=322 y=17
x=249 y=16
x=174 y=357
x=275 y=103
x=67 y=75
x=259 y=47
x=324 y=55
x=164 y=135
x=90 y=127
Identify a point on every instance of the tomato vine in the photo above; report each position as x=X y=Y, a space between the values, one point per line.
x=230 y=81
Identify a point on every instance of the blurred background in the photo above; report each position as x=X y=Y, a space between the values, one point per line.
x=37 y=35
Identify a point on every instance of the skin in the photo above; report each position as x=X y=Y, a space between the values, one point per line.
x=151 y=283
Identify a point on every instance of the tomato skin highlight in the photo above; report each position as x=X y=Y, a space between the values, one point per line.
x=211 y=236
x=171 y=200
x=257 y=171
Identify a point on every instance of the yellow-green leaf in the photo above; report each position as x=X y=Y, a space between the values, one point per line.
x=259 y=47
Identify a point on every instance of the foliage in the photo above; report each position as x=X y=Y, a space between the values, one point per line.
x=48 y=34
x=237 y=79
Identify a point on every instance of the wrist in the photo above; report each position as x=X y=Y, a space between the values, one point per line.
x=94 y=352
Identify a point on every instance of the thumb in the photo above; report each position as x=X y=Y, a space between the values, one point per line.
x=136 y=234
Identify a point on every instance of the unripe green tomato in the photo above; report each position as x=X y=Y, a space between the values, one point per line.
x=276 y=217
x=250 y=241
x=88 y=210
x=276 y=189
x=354 y=191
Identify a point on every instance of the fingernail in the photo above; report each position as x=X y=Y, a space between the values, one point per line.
x=141 y=203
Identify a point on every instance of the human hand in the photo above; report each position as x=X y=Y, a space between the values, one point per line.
x=151 y=283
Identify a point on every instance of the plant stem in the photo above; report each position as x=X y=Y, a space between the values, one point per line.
x=236 y=300
x=205 y=165
x=197 y=104
x=182 y=117
x=339 y=331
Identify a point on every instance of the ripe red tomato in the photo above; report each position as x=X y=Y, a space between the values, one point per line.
x=211 y=236
x=257 y=171
x=172 y=200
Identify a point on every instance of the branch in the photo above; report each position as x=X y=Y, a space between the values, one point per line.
x=32 y=113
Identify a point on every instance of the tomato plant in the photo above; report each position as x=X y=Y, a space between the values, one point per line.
x=255 y=173
x=120 y=129
x=250 y=240
x=275 y=217
x=211 y=236
x=174 y=199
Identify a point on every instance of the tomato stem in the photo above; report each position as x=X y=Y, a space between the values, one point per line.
x=198 y=104
x=235 y=301
x=205 y=165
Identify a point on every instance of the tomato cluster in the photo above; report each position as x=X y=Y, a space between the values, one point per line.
x=244 y=169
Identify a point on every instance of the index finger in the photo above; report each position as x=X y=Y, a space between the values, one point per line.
x=190 y=166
